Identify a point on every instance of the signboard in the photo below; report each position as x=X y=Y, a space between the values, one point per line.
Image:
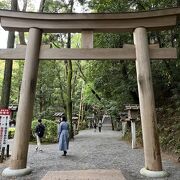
x=4 y=125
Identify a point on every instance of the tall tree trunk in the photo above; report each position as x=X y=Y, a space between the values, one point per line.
x=84 y=78
x=69 y=80
x=69 y=100
x=80 y=108
x=61 y=87
x=6 y=87
x=178 y=32
x=69 y=89
x=21 y=34
x=74 y=82
x=41 y=6
x=41 y=99
x=41 y=104
x=22 y=38
x=63 y=99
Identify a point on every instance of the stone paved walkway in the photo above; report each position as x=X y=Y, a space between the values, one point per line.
x=93 y=150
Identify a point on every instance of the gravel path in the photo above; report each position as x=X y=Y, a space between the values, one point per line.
x=93 y=150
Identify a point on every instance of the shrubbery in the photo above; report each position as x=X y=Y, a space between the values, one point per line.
x=168 y=130
x=11 y=132
x=51 y=131
x=83 y=125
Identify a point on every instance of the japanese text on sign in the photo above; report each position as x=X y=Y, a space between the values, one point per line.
x=4 y=125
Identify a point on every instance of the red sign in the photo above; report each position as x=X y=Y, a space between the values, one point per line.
x=5 y=112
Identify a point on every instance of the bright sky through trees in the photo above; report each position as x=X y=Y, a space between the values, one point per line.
x=3 y=38
x=4 y=34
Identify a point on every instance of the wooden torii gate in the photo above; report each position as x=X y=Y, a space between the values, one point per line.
x=137 y=23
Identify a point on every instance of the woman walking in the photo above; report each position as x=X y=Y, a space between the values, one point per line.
x=63 y=133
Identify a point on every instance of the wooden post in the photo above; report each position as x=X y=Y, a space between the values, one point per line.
x=2 y=155
x=124 y=127
x=7 y=151
x=27 y=95
x=133 y=134
x=146 y=100
x=87 y=39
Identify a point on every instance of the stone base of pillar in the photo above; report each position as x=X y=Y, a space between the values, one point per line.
x=153 y=174
x=16 y=172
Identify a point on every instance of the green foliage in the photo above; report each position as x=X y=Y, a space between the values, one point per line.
x=46 y=93
x=5 y=4
x=51 y=131
x=145 y=5
x=169 y=130
x=115 y=81
x=11 y=132
x=109 y=5
x=119 y=78
x=83 y=125
x=53 y=6
x=1 y=74
x=16 y=81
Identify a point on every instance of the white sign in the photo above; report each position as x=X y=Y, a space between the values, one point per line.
x=4 y=125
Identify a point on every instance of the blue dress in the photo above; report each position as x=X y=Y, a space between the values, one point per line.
x=63 y=132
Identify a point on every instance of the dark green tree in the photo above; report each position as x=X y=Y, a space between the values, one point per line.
x=6 y=88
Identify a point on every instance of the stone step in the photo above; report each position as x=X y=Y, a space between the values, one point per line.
x=107 y=127
x=92 y=174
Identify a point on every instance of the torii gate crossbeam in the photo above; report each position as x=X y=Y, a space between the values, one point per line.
x=124 y=53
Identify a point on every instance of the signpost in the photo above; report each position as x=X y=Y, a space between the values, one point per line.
x=4 y=125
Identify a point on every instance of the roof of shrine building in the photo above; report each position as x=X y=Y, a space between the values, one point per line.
x=97 y=22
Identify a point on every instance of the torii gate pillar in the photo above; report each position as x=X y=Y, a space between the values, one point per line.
x=153 y=164
x=25 y=111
